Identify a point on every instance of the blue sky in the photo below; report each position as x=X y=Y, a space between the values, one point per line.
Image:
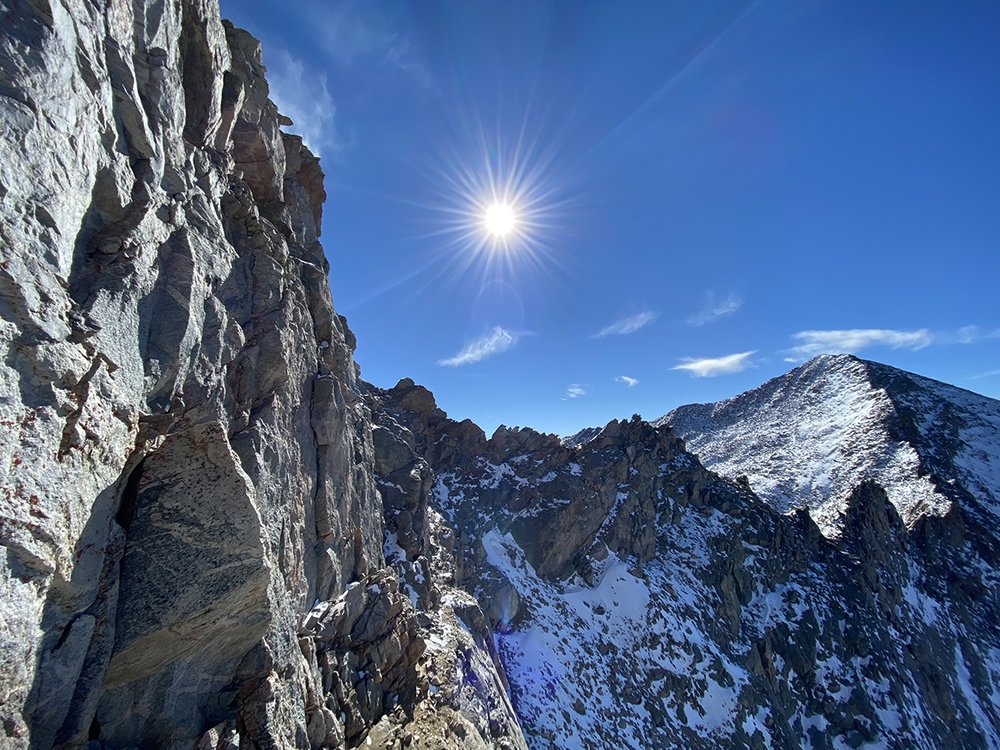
x=706 y=192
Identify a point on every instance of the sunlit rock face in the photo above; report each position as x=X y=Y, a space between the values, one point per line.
x=192 y=533
x=213 y=534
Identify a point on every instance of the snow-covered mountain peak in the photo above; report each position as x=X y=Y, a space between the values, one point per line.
x=638 y=600
x=809 y=437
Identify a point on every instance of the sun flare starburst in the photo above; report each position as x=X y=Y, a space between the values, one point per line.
x=500 y=219
x=496 y=208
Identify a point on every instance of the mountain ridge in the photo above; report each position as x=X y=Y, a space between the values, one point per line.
x=759 y=591
x=862 y=426
x=215 y=534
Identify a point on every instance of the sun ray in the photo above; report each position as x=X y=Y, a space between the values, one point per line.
x=504 y=180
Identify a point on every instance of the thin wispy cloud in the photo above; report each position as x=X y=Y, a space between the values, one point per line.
x=677 y=74
x=811 y=343
x=627 y=325
x=575 y=390
x=715 y=310
x=710 y=367
x=970 y=335
x=990 y=374
x=495 y=341
x=630 y=382
x=303 y=97
x=367 y=33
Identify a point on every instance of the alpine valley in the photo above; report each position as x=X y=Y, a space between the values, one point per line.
x=214 y=534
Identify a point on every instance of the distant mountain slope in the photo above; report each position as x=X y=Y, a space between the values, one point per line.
x=637 y=599
x=809 y=437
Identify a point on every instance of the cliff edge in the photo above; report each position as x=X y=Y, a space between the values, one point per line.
x=190 y=526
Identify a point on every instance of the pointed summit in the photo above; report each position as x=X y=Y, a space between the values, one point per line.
x=809 y=437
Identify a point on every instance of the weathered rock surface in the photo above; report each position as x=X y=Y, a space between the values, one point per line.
x=192 y=534
x=213 y=534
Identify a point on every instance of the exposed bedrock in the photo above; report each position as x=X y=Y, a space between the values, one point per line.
x=213 y=534
x=189 y=504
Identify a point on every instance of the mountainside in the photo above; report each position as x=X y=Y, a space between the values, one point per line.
x=807 y=438
x=641 y=600
x=214 y=534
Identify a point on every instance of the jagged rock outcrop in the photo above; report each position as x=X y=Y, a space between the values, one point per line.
x=641 y=600
x=213 y=534
x=190 y=526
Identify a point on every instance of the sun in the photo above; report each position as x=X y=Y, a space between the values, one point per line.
x=500 y=220
x=497 y=203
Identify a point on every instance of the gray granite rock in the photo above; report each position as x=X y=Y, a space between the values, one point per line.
x=188 y=468
x=213 y=534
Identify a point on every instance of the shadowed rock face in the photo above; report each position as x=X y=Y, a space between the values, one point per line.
x=192 y=588
x=192 y=534
x=213 y=534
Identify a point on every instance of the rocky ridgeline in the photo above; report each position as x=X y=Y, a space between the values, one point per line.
x=215 y=535
x=641 y=600
x=807 y=438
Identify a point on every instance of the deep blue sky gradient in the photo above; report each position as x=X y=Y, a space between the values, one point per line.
x=829 y=165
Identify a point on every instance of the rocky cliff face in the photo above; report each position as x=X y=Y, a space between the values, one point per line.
x=192 y=533
x=213 y=534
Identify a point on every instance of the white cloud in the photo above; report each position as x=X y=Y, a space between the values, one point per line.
x=970 y=335
x=305 y=98
x=627 y=325
x=361 y=32
x=495 y=341
x=713 y=310
x=811 y=343
x=630 y=382
x=575 y=391
x=712 y=366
